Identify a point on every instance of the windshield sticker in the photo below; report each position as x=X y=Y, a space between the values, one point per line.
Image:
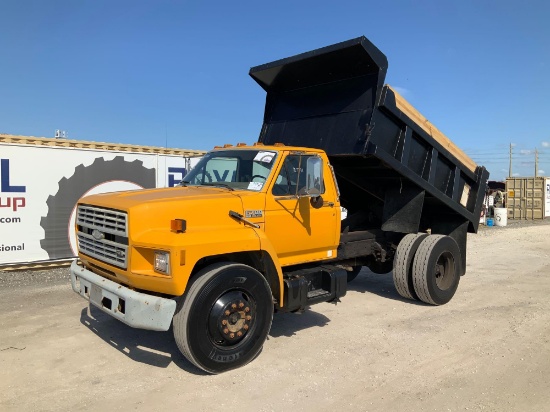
x=255 y=186
x=264 y=157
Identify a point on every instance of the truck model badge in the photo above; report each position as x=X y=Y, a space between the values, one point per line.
x=253 y=213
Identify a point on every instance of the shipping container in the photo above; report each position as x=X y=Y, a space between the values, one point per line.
x=528 y=197
x=41 y=179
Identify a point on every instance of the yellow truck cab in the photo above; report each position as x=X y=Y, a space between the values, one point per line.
x=257 y=229
x=139 y=249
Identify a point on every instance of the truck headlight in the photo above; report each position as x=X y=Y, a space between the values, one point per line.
x=162 y=262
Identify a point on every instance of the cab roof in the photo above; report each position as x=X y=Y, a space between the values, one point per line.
x=278 y=147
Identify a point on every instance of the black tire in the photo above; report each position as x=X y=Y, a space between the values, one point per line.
x=353 y=273
x=60 y=206
x=436 y=269
x=403 y=263
x=199 y=331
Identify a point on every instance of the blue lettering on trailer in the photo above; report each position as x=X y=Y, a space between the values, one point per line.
x=180 y=172
x=5 y=185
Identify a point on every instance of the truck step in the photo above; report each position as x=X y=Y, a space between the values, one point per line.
x=317 y=293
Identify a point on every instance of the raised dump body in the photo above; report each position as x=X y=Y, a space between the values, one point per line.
x=392 y=165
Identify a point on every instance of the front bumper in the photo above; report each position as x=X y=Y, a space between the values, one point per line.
x=135 y=309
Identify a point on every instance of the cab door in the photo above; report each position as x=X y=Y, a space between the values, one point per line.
x=298 y=231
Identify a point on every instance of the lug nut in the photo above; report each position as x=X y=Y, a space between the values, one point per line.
x=226 y=331
x=245 y=327
x=227 y=313
x=231 y=335
x=234 y=306
x=224 y=322
x=248 y=317
x=241 y=305
x=239 y=334
x=247 y=309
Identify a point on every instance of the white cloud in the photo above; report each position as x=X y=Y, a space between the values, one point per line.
x=541 y=172
x=545 y=144
x=513 y=144
x=402 y=91
x=525 y=152
x=515 y=174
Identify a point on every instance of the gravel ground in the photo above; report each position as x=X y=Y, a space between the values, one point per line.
x=486 y=350
x=33 y=278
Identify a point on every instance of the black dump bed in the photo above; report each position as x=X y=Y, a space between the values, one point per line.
x=385 y=157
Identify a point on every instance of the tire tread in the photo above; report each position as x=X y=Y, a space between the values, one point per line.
x=423 y=270
x=402 y=264
x=420 y=268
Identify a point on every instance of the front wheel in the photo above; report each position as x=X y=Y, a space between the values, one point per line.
x=222 y=322
x=436 y=269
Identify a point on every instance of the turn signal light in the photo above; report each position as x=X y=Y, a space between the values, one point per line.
x=178 y=225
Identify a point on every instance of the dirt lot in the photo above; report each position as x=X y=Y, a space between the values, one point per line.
x=488 y=349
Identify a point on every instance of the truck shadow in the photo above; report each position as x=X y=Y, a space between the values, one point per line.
x=159 y=348
x=288 y=324
x=381 y=285
x=149 y=347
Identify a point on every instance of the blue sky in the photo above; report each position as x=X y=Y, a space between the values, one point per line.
x=176 y=72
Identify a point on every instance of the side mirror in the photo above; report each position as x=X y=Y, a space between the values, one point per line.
x=317 y=202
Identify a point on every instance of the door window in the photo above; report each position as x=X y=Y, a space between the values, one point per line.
x=294 y=174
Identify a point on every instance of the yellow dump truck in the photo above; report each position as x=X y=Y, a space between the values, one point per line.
x=254 y=229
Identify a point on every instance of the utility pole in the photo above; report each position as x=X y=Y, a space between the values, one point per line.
x=510 y=168
x=536 y=162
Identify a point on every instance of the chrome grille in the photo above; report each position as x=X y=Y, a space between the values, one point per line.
x=104 y=250
x=103 y=234
x=104 y=220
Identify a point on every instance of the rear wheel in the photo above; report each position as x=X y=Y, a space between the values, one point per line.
x=436 y=269
x=403 y=264
x=222 y=322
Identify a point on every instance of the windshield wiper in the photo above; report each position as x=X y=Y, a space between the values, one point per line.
x=184 y=183
x=218 y=184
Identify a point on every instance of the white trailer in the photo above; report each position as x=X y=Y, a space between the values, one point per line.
x=41 y=180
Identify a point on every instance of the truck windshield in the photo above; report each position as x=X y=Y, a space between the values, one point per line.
x=233 y=169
